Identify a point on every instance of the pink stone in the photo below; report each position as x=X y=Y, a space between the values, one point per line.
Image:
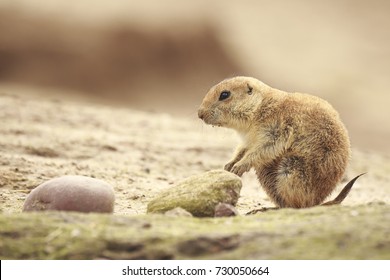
x=72 y=193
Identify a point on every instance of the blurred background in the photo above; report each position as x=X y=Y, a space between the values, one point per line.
x=163 y=56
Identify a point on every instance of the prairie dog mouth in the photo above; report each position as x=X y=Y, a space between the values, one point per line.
x=212 y=122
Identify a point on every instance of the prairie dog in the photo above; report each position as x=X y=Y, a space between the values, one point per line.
x=296 y=142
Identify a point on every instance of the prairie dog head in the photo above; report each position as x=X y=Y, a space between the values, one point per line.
x=232 y=102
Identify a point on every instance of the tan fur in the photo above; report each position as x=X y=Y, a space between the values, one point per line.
x=296 y=142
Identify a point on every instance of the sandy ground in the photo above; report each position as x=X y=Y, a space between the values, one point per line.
x=138 y=153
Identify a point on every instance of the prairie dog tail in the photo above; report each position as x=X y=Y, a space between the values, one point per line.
x=344 y=192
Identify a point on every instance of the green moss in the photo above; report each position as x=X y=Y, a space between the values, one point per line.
x=337 y=232
x=199 y=194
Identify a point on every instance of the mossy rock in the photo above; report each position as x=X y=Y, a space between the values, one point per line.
x=334 y=232
x=199 y=194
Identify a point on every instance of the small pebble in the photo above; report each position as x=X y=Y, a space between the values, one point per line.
x=354 y=213
x=225 y=210
x=72 y=193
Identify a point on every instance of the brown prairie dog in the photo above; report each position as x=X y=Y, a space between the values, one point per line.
x=296 y=142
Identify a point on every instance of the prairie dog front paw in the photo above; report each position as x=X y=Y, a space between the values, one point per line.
x=240 y=168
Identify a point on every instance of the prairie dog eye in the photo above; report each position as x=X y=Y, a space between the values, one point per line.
x=224 y=95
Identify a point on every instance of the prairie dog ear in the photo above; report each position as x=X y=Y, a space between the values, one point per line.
x=249 y=91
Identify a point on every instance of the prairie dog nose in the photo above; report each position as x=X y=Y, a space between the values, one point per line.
x=201 y=113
